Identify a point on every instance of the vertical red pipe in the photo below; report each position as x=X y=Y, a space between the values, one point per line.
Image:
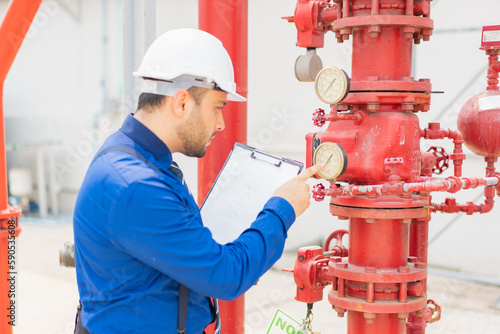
x=15 y=25
x=419 y=239
x=382 y=244
x=419 y=242
x=228 y=21
x=386 y=323
x=366 y=241
x=395 y=64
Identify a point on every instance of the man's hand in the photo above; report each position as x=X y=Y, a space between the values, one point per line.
x=296 y=191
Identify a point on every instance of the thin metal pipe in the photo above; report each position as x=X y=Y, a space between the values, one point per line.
x=54 y=203
x=104 y=54
x=431 y=184
x=41 y=182
x=129 y=102
x=139 y=31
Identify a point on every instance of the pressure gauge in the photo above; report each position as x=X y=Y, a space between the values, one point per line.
x=333 y=157
x=332 y=85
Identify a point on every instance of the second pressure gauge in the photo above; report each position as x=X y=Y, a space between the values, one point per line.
x=332 y=85
x=334 y=159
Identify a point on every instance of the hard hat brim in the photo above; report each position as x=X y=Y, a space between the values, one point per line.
x=235 y=97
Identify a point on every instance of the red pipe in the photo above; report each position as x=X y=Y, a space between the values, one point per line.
x=13 y=29
x=394 y=65
x=15 y=25
x=493 y=69
x=433 y=131
x=451 y=184
x=419 y=243
x=365 y=239
x=364 y=323
x=450 y=205
x=228 y=21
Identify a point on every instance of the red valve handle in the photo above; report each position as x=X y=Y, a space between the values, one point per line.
x=337 y=235
x=319 y=117
x=318 y=192
x=436 y=310
x=442 y=159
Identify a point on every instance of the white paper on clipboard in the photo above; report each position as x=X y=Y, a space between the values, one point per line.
x=246 y=182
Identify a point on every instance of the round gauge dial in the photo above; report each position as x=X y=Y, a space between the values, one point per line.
x=333 y=157
x=332 y=85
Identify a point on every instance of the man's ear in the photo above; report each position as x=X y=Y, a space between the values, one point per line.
x=179 y=102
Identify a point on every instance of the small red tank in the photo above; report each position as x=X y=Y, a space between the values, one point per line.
x=479 y=123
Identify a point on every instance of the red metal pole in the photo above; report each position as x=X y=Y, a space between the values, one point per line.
x=15 y=25
x=228 y=21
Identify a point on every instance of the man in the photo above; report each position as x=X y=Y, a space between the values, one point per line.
x=139 y=237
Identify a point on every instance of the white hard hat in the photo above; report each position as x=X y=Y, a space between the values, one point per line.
x=182 y=58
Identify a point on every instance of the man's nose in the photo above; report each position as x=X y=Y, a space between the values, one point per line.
x=219 y=124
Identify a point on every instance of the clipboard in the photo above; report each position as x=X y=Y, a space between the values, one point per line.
x=246 y=182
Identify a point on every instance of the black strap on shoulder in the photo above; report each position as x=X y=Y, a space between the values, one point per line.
x=183 y=290
x=183 y=309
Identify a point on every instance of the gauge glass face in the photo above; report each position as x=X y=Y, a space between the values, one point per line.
x=332 y=156
x=331 y=85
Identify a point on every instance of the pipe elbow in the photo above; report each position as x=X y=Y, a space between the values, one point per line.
x=457 y=136
x=486 y=207
x=489 y=201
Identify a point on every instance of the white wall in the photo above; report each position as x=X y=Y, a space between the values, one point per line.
x=54 y=91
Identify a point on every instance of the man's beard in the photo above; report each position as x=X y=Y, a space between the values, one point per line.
x=192 y=135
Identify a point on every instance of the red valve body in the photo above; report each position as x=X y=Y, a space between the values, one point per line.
x=383 y=280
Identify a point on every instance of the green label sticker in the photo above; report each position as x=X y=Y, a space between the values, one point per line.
x=282 y=324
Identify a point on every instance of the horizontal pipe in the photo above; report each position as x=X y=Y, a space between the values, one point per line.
x=450 y=184
x=329 y=15
x=450 y=205
x=435 y=132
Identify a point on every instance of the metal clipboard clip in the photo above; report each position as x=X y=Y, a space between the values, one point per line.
x=266 y=157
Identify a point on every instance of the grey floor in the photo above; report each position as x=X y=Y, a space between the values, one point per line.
x=48 y=295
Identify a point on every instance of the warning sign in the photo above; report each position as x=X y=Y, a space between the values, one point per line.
x=283 y=324
x=491 y=37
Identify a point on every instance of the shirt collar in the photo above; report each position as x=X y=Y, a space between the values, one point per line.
x=139 y=133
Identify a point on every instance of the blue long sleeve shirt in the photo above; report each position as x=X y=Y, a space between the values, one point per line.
x=139 y=233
